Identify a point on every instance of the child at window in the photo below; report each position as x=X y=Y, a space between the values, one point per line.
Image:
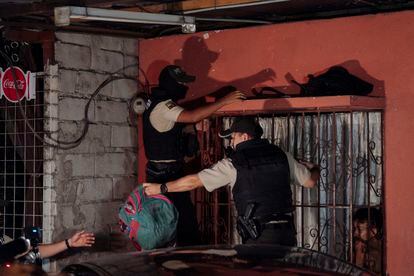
x=367 y=237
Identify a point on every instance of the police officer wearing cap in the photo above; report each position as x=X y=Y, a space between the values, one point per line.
x=259 y=174
x=164 y=121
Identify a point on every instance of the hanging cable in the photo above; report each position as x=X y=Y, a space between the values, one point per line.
x=65 y=145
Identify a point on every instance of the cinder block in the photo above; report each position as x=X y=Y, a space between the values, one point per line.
x=124 y=137
x=73 y=56
x=53 y=209
x=74 y=109
x=74 y=38
x=88 y=82
x=49 y=153
x=96 y=140
x=107 y=43
x=93 y=190
x=51 y=137
x=70 y=131
x=52 y=70
x=67 y=217
x=99 y=138
x=49 y=167
x=115 y=164
x=112 y=112
x=51 y=111
x=74 y=165
x=51 y=124
x=123 y=186
x=131 y=66
x=52 y=81
x=106 y=213
x=49 y=209
x=130 y=46
x=49 y=195
x=48 y=181
x=66 y=191
x=47 y=231
x=51 y=97
x=125 y=88
x=106 y=61
x=93 y=215
x=67 y=80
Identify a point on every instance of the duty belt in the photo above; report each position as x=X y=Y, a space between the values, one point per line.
x=275 y=218
x=158 y=170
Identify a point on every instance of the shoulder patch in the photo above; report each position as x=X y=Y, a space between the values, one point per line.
x=170 y=104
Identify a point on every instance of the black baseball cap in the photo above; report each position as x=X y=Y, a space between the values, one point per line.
x=244 y=125
x=176 y=73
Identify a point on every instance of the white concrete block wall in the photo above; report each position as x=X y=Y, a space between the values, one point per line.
x=87 y=184
x=123 y=136
x=98 y=140
x=72 y=56
x=106 y=61
x=72 y=109
x=111 y=111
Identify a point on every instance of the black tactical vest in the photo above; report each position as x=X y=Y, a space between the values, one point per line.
x=263 y=178
x=161 y=145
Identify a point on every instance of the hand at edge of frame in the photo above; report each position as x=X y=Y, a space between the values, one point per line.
x=152 y=188
x=82 y=239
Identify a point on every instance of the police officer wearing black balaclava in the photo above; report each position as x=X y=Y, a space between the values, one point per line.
x=164 y=121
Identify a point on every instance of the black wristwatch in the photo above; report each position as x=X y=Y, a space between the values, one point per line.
x=164 y=188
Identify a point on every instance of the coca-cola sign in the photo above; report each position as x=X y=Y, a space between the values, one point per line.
x=15 y=84
x=9 y=84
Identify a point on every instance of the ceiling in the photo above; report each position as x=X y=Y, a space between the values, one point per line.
x=209 y=14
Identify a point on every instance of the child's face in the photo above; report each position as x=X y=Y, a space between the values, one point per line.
x=362 y=230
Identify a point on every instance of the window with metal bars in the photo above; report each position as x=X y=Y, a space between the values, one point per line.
x=21 y=154
x=348 y=146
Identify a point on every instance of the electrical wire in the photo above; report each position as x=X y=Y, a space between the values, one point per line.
x=65 y=145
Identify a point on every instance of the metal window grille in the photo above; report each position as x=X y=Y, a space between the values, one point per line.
x=21 y=154
x=348 y=146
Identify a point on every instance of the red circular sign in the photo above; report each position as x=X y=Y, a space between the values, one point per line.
x=8 y=83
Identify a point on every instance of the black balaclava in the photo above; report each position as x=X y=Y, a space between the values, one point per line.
x=175 y=90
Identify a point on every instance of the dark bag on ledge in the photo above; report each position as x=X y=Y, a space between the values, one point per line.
x=336 y=81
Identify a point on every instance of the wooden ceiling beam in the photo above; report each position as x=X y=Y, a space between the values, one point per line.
x=21 y=26
x=189 y=5
x=47 y=8
x=106 y=4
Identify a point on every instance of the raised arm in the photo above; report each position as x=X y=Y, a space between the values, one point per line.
x=80 y=239
x=186 y=183
x=202 y=112
x=315 y=173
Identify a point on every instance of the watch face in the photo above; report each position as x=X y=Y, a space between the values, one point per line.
x=164 y=188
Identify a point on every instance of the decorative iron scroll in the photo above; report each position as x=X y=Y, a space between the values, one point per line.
x=211 y=224
x=359 y=166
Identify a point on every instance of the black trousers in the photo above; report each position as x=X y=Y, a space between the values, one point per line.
x=187 y=228
x=278 y=233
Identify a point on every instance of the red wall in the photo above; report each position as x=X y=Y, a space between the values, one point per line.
x=378 y=48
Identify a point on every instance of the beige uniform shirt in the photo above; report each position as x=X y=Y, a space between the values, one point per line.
x=224 y=173
x=165 y=115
